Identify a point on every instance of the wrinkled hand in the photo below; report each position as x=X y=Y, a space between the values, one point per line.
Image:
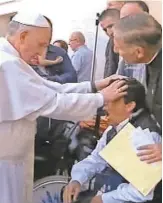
x=114 y=91
x=71 y=192
x=59 y=59
x=150 y=153
x=97 y=199
x=101 y=84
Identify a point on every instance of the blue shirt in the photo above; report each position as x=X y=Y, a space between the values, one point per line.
x=125 y=192
x=137 y=71
x=82 y=62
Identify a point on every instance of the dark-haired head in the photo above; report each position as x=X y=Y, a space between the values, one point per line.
x=108 y=18
x=62 y=44
x=124 y=107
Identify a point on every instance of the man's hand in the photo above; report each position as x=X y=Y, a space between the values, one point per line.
x=97 y=199
x=71 y=192
x=114 y=91
x=101 y=84
x=150 y=153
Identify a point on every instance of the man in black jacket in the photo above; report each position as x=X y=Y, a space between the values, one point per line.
x=137 y=39
x=107 y=20
x=63 y=72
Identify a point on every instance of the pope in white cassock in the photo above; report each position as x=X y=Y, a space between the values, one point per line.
x=24 y=96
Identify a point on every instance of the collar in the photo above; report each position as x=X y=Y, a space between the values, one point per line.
x=153 y=58
x=6 y=46
x=81 y=47
x=121 y=125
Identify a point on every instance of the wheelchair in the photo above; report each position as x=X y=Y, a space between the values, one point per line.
x=52 y=172
x=58 y=145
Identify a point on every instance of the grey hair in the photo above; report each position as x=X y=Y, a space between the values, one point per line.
x=14 y=27
x=80 y=36
x=139 y=29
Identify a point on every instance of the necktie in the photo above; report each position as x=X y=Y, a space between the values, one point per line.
x=111 y=134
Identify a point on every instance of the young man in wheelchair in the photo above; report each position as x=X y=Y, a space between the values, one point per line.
x=131 y=109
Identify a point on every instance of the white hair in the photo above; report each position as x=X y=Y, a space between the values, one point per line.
x=14 y=27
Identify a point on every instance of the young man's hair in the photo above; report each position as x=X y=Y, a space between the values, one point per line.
x=135 y=93
x=141 y=4
x=110 y=12
x=139 y=29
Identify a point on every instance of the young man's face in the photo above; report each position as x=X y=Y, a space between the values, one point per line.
x=107 y=25
x=118 y=111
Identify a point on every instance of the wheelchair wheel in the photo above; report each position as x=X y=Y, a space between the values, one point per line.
x=48 y=189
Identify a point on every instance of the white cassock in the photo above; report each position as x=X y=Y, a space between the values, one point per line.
x=24 y=96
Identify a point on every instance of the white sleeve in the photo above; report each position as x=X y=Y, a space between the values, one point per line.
x=87 y=168
x=72 y=106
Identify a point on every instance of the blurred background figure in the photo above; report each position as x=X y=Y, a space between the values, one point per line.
x=133 y=7
x=115 y=4
x=62 y=44
x=82 y=57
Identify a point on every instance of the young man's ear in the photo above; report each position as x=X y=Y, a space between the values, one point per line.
x=131 y=106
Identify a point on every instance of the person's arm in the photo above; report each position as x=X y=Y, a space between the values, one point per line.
x=69 y=74
x=126 y=193
x=87 y=168
x=45 y=62
x=83 y=87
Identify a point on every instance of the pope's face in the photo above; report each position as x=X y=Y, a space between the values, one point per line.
x=34 y=42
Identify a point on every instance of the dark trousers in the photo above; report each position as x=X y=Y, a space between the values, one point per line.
x=85 y=197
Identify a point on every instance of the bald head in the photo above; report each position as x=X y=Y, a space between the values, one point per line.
x=115 y=4
x=29 y=34
x=133 y=7
x=76 y=40
x=79 y=36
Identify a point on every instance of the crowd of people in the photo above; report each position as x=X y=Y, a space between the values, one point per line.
x=40 y=80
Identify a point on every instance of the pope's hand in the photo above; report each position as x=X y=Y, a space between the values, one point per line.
x=101 y=84
x=71 y=192
x=114 y=91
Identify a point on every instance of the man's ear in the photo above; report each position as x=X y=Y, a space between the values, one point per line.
x=23 y=36
x=140 y=52
x=131 y=106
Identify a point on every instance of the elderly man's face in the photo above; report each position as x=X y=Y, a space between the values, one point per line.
x=73 y=42
x=130 y=9
x=131 y=53
x=34 y=42
x=107 y=25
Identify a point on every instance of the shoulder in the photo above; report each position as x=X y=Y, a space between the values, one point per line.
x=8 y=60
